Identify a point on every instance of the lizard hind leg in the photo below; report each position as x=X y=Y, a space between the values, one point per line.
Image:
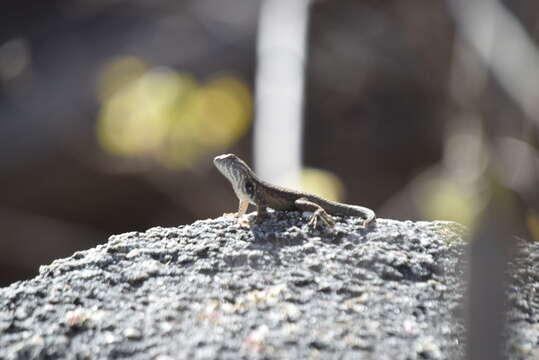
x=319 y=214
x=261 y=213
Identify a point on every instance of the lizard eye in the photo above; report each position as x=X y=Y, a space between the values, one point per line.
x=249 y=187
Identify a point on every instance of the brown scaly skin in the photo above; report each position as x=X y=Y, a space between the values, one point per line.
x=250 y=189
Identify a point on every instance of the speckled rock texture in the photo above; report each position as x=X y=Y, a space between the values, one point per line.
x=277 y=290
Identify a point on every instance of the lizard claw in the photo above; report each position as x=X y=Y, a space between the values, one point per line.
x=321 y=216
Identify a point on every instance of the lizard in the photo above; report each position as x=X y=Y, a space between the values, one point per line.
x=250 y=189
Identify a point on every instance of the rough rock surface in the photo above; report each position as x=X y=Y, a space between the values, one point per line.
x=278 y=290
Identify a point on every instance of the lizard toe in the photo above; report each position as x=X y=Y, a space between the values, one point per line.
x=320 y=216
x=313 y=222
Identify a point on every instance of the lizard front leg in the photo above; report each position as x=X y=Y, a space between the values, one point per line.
x=242 y=208
x=319 y=214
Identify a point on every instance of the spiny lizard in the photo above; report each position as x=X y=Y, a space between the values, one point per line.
x=250 y=189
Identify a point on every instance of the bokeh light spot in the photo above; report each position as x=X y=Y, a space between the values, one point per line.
x=167 y=116
x=117 y=74
x=443 y=199
x=322 y=183
x=14 y=58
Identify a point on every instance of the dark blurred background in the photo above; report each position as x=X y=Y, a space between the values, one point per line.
x=111 y=111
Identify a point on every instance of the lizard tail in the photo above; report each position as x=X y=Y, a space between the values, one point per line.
x=340 y=209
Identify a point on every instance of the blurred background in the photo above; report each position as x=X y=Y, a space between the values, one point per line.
x=111 y=112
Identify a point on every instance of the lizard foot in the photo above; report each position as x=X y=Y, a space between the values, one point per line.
x=320 y=216
x=243 y=223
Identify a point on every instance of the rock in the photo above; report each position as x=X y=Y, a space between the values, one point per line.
x=276 y=290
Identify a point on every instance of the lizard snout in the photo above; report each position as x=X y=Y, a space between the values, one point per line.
x=224 y=162
x=224 y=157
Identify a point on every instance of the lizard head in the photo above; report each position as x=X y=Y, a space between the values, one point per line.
x=242 y=178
